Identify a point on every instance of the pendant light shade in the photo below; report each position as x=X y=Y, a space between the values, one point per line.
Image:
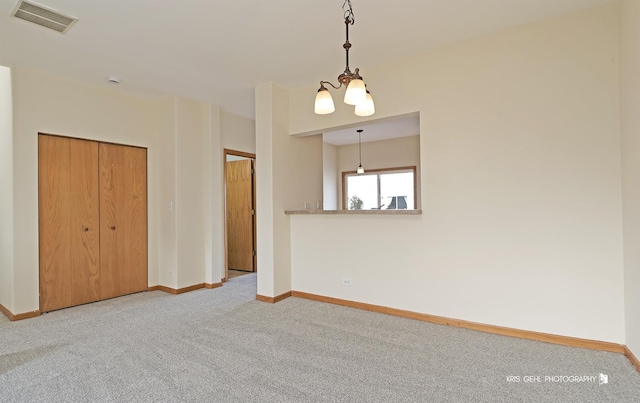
x=366 y=108
x=324 y=102
x=356 y=92
x=360 y=169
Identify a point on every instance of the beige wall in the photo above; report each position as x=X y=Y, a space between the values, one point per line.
x=520 y=185
x=394 y=153
x=47 y=104
x=213 y=187
x=289 y=175
x=190 y=134
x=630 y=129
x=6 y=190
x=520 y=178
x=166 y=184
x=330 y=181
x=238 y=133
x=184 y=162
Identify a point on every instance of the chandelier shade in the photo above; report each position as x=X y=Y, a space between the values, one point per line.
x=324 y=102
x=356 y=90
x=356 y=93
x=366 y=108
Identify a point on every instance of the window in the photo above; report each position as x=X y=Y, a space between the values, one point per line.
x=379 y=189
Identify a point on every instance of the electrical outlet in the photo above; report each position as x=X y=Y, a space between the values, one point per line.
x=346 y=281
x=307 y=205
x=170 y=273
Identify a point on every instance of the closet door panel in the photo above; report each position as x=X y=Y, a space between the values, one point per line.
x=123 y=220
x=54 y=216
x=85 y=230
x=135 y=210
x=68 y=222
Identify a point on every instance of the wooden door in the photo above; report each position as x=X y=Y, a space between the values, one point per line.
x=68 y=222
x=123 y=220
x=240 y=215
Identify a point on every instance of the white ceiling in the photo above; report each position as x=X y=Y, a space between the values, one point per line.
x=218 y=51
x=388 y=129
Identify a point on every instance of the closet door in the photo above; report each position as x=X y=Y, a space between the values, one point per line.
x=68 y=222
x=123 y=220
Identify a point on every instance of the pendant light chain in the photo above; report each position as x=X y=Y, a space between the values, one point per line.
x=360 y=146
x=348 y=13
x=360 y=168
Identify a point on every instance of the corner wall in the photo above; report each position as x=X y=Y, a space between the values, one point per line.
x=166 y=237
x=289 y=175
x=191 y=125
x=213 y=186
x=330 y=177
x=630 y=129
x=6 y=190
x=520 y=185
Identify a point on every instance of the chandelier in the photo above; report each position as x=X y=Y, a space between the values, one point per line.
x=356 y=93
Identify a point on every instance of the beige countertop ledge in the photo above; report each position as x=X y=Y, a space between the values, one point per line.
x=354 y=212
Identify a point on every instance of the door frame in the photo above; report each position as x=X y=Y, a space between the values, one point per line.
x=251 y=156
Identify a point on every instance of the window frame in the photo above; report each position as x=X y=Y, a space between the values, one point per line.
x=378 y=172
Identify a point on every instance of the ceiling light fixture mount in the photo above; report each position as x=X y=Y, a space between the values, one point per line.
x=356 y=93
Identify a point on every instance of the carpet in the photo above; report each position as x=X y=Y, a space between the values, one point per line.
x=223 y=345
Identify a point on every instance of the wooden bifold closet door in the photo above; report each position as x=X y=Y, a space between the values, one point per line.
x=68 y=214
x=123 y=220
x=92 y=221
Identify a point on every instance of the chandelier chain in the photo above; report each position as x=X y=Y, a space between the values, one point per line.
x=348 y=13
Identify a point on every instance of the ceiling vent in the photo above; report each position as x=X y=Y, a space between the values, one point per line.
x=43 y=16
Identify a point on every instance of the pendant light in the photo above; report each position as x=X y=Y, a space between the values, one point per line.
x=356 y=93
x=360 y=168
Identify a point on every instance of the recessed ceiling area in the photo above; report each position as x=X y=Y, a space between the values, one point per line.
x=385 y=130
x=218 y=51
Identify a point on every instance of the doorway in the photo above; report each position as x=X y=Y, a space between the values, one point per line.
x=240 y=213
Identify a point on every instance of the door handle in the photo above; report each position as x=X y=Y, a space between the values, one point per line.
x=85 y=229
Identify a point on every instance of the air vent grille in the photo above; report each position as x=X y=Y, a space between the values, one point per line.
x=42 y=16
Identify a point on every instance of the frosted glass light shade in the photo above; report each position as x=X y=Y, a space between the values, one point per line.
x=366 y=108
x=360 y=169
x=324 y=102
x=356 y=92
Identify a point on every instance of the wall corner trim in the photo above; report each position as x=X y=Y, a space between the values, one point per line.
x=175 y=291
x=273 y=300
x=634 y=360
x=19 y=316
